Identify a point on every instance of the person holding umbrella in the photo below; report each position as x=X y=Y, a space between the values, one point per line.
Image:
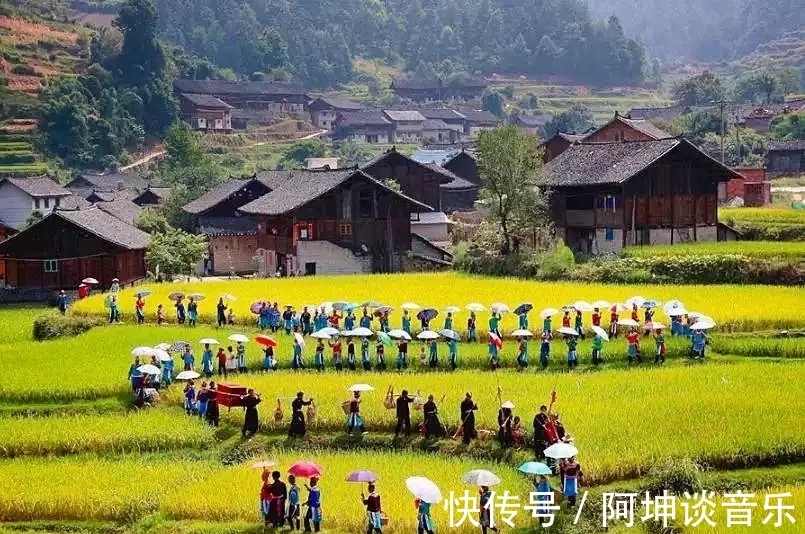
x=494 y=323
x=699 y=340
x=402 y=354
x=354 y=419
x=633 y=349
x=572 y=355
x=403 y=407
x=545 y=349
x=433 y=354
x=318 y=357
x=366 y=319
x=298 y=428
x=523 y=319
x=494 y=361
x=313 y=503
x=406 y=322
x=250 y=420
x=424 y=522
x=485 y=511
x=351 y=354
x=304 y=320
x=180 y=313
x=571 y=476
x=296 y=361
x=380 y=348
x=659 y=340
x=167 y=372
x=598 y=346
x=335 y=345
x=188 y=359
x=471 y=328
x=139 y=309
x=522 y=353
x=578 y=325
x=452 y=357
x=206 y=361
x=240 y=351
x=192 y=312
x=468 y=408
x=220 y=312
x=366 y=362
x=374 y=512
x=613 y=321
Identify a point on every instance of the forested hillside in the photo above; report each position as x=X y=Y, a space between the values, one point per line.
x=706 y=30
x=316 y=40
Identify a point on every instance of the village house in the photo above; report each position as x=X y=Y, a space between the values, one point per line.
x=452 y=118
x=19 y=197
x=622 y=128
x=606 y=196
x=330 y=164
x=408 y=125
x=785 y=158
x=242 y=119
x=332 y=222
x=325 y=110
x=752 y=189
x=231 y=235
x=427 y=90
x=67 y=246
x=557 y=144
x=461 y=193
x=438 y=131
x=122 y=185
x=667 y=113
x=280 y=98
x=478 y=121
x=152 y=197
x=531 y=124
x=364 y=127
x=205 y=113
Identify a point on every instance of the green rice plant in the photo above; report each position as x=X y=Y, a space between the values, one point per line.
x=760 y=347
x=754 y=249
x=762 y=215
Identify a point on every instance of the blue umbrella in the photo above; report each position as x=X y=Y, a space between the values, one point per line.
x=535 y=468
x=179 y=346
x=428 y=314
x=649 y=304
x=523 y=308
x=341 y=306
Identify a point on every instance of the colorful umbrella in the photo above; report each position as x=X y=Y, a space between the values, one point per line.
x=523 y=308
x=89 y=281
x=362 y=475
x=149 y=369
x=600 y=332
x=427 y=314
x=266 y=341
x=494 y=338
x=481 y=477
x=384 y=338
x=383 y=309
x=299 y=339
x=180 y=346
x=410 y=306
x=566 y=330
x=702 y=325
x=561 y=450
x=143 y=352
x=618 y=307
x=208 y=341
x=673 y=304
x=400 y=334
x=582 y=306
x=360 y=387
x=238 y=338
x=637 y=300
x=347 y=333
x=362 y=332
x=450 y=334
x=329 y=330
x=427 y=335
x=548 y=312
x=257 y=306
x=475 y=307
x=676 y=312
x=536 y=468
x=305 y=469
x=176 y=295
x=521 y=333
x=142 y=293
x=650 y=304
x=265 y=464
x=424 y=489
x=187 y=375
x=163 y=346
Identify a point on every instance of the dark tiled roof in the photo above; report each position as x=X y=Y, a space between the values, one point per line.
x=415 y=83
x=221 y=87
x=258 y=115
x=571 y=137
x=441 y=114
x=604 y=163
x=74 y=202
x=125 y=210
x=161 y=192
x=220 y=226
x=795 y=144
x=206 y=101
x=645 y=127
x=38 y=187
x=362 y=118
x=109 y=182
x=458 y=182
x=105 y=226
x=481 y=117
x=215 y=195
x=534 y=120
x=404 y=116
x=664 y=113
x=337 y=103
x=435 y=124
x=446 y=175
x=293 y=189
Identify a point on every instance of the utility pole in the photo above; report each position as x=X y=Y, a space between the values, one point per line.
x=721 y=103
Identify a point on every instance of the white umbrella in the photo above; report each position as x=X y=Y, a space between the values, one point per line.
x=362 y=332
x=143 y=352
x=149 y=369
x=163 y=346
x=299 y=339
x=628 y=322
x=677 y=312
x=499 y=307
x=619 y=307
x=583 y=306
x=601 y=304
x=187 y=375
x=475 y=307
x=452 y=309
x=672 y=305
x=400 y=334
x=600 y=332
x=360 y=387
x=209 y=341
x=481 y=477
x=567 y=331
x=695 y=314
x=702 y=325
x=508 y=404
x=196 y=296
x=329 y=330
x=424 y=489
x=162 y=355
x=347 y=333
x=238 y=338
x=521 y=333
x=320 y=335
x=264 y=464
x=427 y=335
x=328 y=306
x=561 y=450
x=410 y=306
x=654 y=325
x=548 y=312
x=636 y=300
x=228 y=296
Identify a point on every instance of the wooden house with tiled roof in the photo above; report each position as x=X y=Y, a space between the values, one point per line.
x=622 y=128
x=19 y=197
x=558 y=143
x=606 y=196
x=67 y=246
x=325 y=110
x=785 y=158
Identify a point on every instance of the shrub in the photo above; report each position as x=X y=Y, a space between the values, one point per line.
x=556 y=262
x=675 y=476
x=52 y=324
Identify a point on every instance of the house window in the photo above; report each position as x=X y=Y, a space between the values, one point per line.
x=56 y=202
x=345 y=230
x=47 y=203
x=303 y=234
x=365 y=204
x=371 y=139
x=609 y=234
x=414 y=216
x=36 y=203
x=346 y=204
x=51 y=266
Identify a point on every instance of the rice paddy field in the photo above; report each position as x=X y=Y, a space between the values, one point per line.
x=76 y=457
x=762 y=215
x=756 y=249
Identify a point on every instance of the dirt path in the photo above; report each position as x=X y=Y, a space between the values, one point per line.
x=159 y=153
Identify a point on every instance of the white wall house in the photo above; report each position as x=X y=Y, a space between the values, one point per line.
x=19 y=197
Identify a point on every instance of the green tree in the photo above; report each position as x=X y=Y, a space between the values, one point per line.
x=295 y=155
x=699 y=90
x=351 y=154
x=492 y=101
x=791 y=126
x=788 y=81
x=578 y=119
x=152 y=221
x=509 y=165
x=33 y=218
x=183 y=147
x=174 y=252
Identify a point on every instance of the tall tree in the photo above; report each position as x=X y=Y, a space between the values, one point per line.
x=699 y=90
x=509 y=164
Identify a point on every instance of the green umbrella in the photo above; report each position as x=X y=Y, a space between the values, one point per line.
x=384 y=338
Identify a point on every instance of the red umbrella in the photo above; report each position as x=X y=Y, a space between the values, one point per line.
x=496 y=340
x=266 y=341
x=305 y=469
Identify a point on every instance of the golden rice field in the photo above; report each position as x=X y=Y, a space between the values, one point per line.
x=735 y=308
x=759 y=514
x=131 y=487
x=791 y=250
x=762 y=215
x=151 y=430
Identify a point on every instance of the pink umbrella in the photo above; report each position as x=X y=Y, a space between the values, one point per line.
x=496 y=340
x=255 y=307
x=305 y=469
x=362 y=475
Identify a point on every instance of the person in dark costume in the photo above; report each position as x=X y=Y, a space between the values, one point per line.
x=220 y=314
x=485 y=511
x=403 y=414
x=250 y=421
x=213 y=415
x=540 y=437
x=433 y=427
x=298 y=428
x=468 y=408
x=278 y=494
x=505 y=427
